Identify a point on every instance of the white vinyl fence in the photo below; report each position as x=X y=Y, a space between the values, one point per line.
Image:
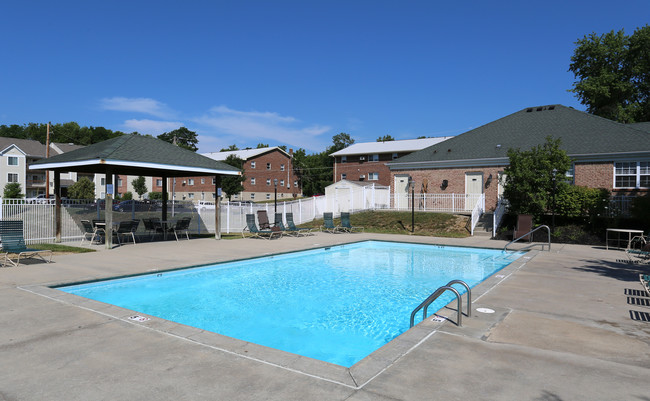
x=39 y=217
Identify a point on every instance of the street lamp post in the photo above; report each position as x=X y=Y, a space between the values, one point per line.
x=275 y=198
x=554 y=190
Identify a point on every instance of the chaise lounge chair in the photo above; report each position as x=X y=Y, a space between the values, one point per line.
x=255 y=232
x=13 y=242
x=346 y=225
x=645 y=282
x=93 y=232
x=328 y=223
x=263 y=219
x=182 y=226
x=291 y=226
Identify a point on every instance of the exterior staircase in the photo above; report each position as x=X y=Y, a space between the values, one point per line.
x=484 y=226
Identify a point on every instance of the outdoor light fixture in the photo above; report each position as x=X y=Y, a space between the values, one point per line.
x=444 y=184
x=488 y=181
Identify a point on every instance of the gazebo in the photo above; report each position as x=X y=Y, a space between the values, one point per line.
x=133 y=154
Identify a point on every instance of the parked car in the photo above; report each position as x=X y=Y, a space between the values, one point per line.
x=131 y=204
x=41 y=200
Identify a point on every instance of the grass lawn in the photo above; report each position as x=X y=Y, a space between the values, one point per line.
x=58 y=248
x=389 y=222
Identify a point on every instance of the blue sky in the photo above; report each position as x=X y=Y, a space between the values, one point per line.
x=293 y=73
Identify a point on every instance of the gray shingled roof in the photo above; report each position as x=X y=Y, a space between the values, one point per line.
x=581 y=134
x=29 y=146
x=642 y=126
x=135 y=155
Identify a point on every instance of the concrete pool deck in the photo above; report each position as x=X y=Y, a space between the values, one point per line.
x=569 y=324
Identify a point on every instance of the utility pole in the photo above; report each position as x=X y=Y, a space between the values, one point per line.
x=47 y=154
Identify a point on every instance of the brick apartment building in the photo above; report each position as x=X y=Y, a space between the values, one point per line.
x=367 y=161
x=262 y=167
x=606 y=154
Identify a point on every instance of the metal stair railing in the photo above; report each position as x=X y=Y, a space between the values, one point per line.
x=425 y=304
x=505 y=248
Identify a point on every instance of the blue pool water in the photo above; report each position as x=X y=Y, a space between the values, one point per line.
x=336 y=304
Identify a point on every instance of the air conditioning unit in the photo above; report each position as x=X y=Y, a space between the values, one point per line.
x=361 y=177
x=362 y=158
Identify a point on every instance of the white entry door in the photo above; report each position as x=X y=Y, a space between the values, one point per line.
x=401 y=191
x=473 y=188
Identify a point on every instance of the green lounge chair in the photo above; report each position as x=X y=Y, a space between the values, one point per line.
x=13 y=242
x=291 y=226
x=328 y=223
x=346 y=225
x=256 y=232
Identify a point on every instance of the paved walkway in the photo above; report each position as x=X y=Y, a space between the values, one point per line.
x=570 y=324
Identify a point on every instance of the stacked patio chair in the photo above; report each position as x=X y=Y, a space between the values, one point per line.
x=93 y=232
x=13 y=242
x=291 y=226
x=645 y=282
x=255 y=232
x=125 y=229
x=263 y=218
x=152 y=226
x=346 y=225
x=524 y=225
x=182 y=225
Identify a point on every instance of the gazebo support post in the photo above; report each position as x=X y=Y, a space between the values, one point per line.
x=108 y=212
x=217 y=207
x=164 y=198
x=57 y=206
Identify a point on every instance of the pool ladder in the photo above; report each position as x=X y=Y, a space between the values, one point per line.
x=448 y=287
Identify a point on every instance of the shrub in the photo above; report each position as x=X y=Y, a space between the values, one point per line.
x=576 y=201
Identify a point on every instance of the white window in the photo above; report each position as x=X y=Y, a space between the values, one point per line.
x=252 y=196
x=295 y=183
x=252 y=180
x=190 y=181
x=252 y=164
x=12 y=177
x=214 y=181
x=191 y=195
x=159 y=182
x=395 y=156
x=102 y=181
x=570 y=174
x=281 y=167
x=268 y=196
x=373 y=176
x=268 y=181
x=281 y=183
x=344 y=159
x=344 y=176
x=119 y=182
x=373 y=158
x=12 y=160
x=632 y=175
x=268 y=166
x=202 y=180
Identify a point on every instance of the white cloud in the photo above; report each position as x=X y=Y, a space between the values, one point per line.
x=247 y=128
x=138 y=105
x=151 y=127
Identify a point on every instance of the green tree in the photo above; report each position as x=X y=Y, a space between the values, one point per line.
x=183 y=137
x=233 y=184
x=530 y=184
x=262 y=145
x=139 y=186
x=229 y=148
x=612 y=74
x=385 y=138
x=341 y=141
x=13 y=191
x=82 y=189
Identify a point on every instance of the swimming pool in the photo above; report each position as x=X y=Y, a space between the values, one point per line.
x=337 y=304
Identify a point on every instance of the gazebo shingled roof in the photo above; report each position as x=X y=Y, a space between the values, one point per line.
x=135 y=155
